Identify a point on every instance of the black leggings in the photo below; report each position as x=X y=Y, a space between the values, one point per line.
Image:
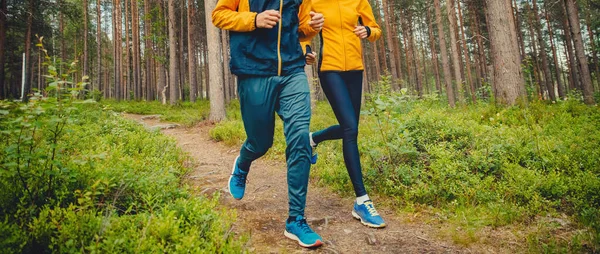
x=344 y=92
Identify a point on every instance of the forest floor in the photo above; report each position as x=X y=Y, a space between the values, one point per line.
x=262 y=212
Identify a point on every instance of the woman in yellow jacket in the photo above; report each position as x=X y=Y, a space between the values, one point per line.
x=341 y=74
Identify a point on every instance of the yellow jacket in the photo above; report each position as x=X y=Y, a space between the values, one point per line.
x=340 y=47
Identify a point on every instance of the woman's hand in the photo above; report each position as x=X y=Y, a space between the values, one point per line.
x=311 y=58
x=361 y=32
x=316 y=21
x=267 y=19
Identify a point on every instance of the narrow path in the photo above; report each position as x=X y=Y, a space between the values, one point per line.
x=262 y=212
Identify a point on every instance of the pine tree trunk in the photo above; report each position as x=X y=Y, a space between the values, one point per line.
x=389 y=38
x=466 y=53
x=226 y=82
x=148 y=52
x=561 y=91
x=545 y=65
x=396 y=44
x=3 y=9
x=593 y=45
x=519 y=31
x=173 y=61
x=28 y=64
x=137 y=70
x=508 y=75
x=85 y=41
x=376 y=60
x=434 y=58
x=574 y=77
x=181 y=56
x=444 y=54
x=455 y=49
x=192 y=51
x=588 y=90
x=410 y=70
x=217 y=100
x=127 y=62
x=99 y=45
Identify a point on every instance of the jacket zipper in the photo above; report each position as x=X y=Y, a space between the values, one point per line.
x=279 y=38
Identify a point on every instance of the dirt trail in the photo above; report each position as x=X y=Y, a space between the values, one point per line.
x=262 y=212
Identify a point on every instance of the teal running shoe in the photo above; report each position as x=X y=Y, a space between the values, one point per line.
x=237 y=181
x=367 y=214
x=298 y=230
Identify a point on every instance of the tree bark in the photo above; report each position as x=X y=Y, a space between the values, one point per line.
x=561 y=91
x=545 y=64
x=192 y=51
x=508 y=76
x=181 y=54
x=444 y=54
x=377 y=62
x=28 y=64
x=455 y=49
x=173 y=61
x=390 y=42
x=137 y=65
x=217 y=99
x=593 y=45
x=85 y=41
x=396 y=44
x=434 y=58
x=148 y=52
x=519 y=31
x=573 y=14
x=3 y=10
x=98 y=45
x=226 y=81
x=574 y=77
x=466 y=53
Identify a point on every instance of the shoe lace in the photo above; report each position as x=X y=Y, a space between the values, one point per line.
x=303 y=225
x=371 y=208
x=240 y=179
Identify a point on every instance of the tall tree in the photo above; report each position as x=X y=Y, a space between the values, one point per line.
x=173 y=59
x=98 y=80
x=390 y=41
x=466 y=53
x=574 y=77
x=192 y=50
x=217 y=98
x=455 y=49
x=561 y=92
x=444 y=53
x=508 y=76
x=148 y=52
x=545 y=64
x=28 y=52
x=573 y=14
x=85 y=38
x=3 y=11
x=135 y=30
x=593 y=46
x=434 y=58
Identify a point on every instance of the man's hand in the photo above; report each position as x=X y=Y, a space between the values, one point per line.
x=267 y=19
x=360 y=31
x=316 y=21
x=311 y=58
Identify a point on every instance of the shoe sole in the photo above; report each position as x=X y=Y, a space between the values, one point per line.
x=355 y=215
x=295 y=238
x=230 y=177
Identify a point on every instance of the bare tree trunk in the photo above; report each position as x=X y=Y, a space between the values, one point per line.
x=593 y=45
x=410 y=70
x=519 y=32
x=127 y=68
x=148 y=52
x=396 y=44
x=573 y=14
x=173 y=61
x=561 y=91
x=28 y=52
x=181 y=56
x=390 y=42
x=466 y=53
x=217 y=99
x=192 y=51
x=137 y=65
x=574 y=77
x=508 y=75
x=434 y=58
x=3 y=9
x=377 y=62
x=455 y=49
x=444 y=54
x=99 y=44
x=225 y=67
x=545 y=64
x=85 y=41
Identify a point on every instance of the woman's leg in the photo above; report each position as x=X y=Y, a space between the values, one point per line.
x=341 y=96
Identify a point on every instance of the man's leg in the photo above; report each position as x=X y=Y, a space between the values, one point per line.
x=257 y=103
x=258 y=97
x=294 y=110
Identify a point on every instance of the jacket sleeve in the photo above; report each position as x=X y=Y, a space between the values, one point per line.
x=366 y=13
x=306 y=32
x=234 y=16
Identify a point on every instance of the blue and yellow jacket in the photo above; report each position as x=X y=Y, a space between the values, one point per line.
x=265 y=52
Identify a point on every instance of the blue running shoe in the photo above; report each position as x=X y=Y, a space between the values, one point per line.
x=237 y=181
x=298 y=230
x=367 y=215
x=313 y=155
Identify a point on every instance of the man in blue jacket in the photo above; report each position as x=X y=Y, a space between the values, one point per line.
x=267 y=58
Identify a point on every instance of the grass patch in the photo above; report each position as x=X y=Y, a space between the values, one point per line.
x=79 y=178
x=185 y=113
x=481 y=167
